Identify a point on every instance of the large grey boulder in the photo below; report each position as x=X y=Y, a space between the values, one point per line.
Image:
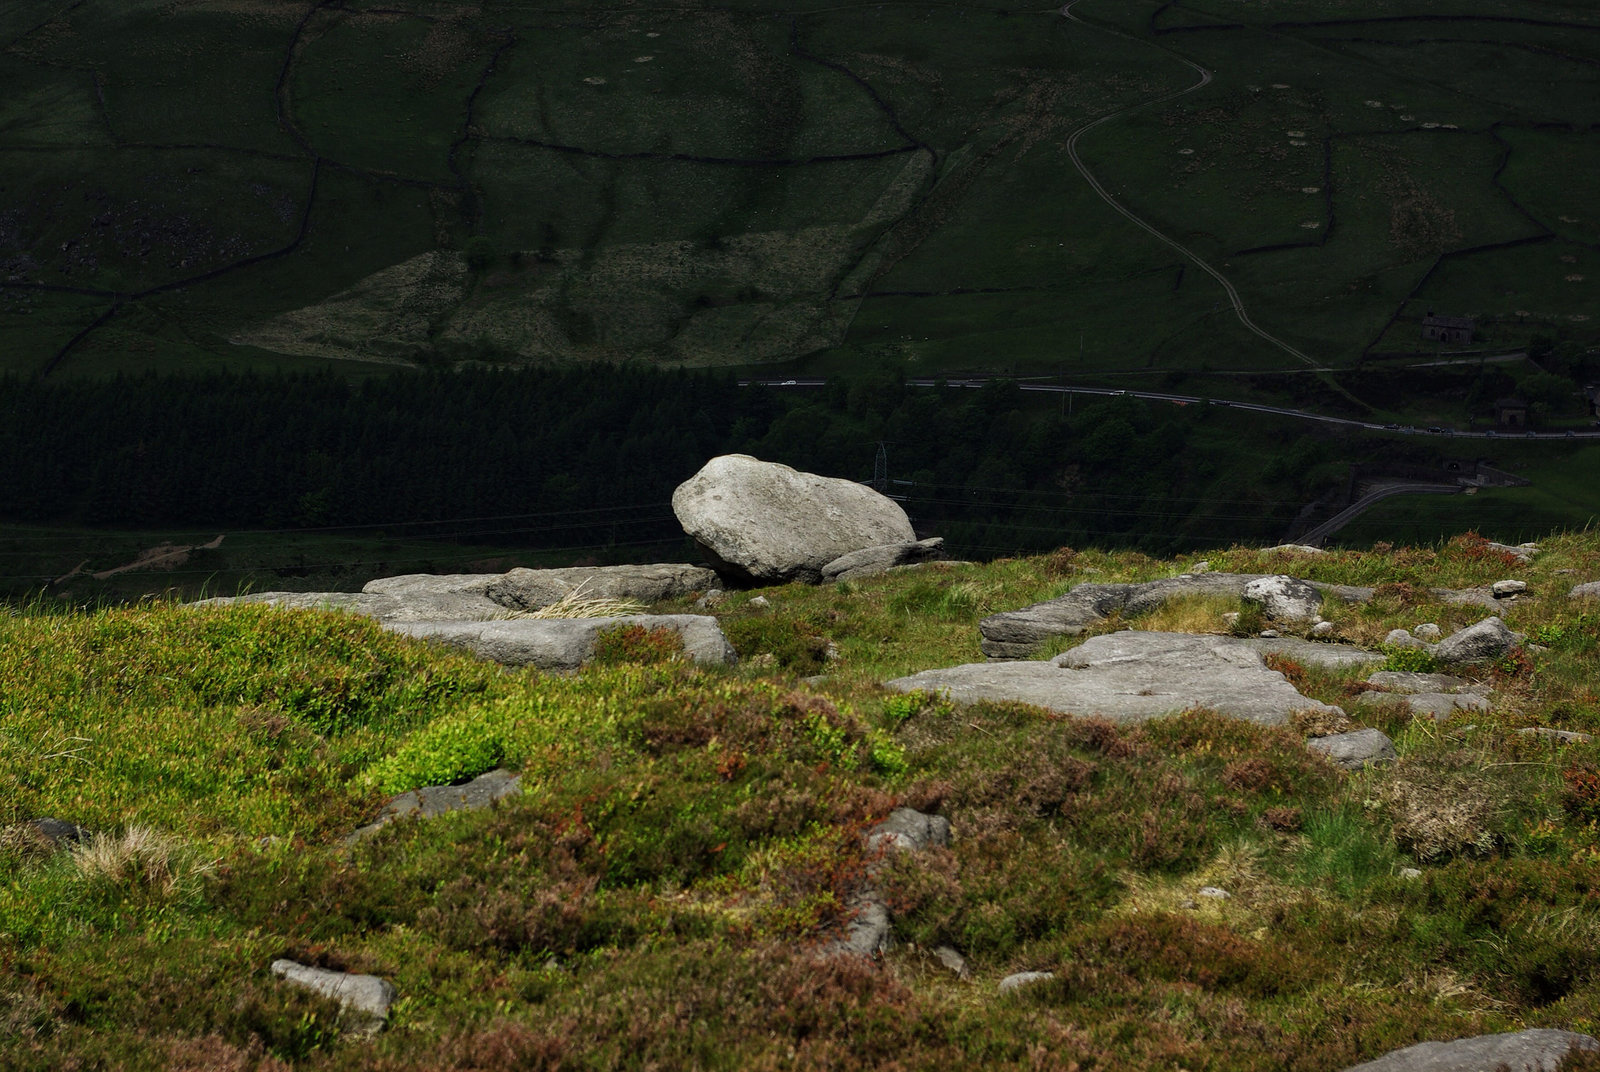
x=870 y=561
x=1488 y=639
x=566 y=643
x=1285 y=599
x=364 y=998
x=535 y=589
x=760 y=521
x=1539 y=1049
x=1355 y=749
x=1131 y=677
x=1016 y=634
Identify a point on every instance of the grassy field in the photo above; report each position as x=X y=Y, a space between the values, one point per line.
x=685 y=839
x=243 y=184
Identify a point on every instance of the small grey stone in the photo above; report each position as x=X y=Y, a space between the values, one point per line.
x=1355 y=749
x=1428 y=631
x=1488 y=639
x=1294 y=549
x=1203 y=566
x=1556 y=736
x=760 y=601
x=366 y=997
x=1020 y=979
x=1269 y=634
x=1400 y=638
x=429 y=801
x=1410 y=873
x=1322 y=629
x=906 y=828
x=1591 y=590
x=712 y=598
x=867 y=934
x=1216 y=893
x=59 y=831
x=1507 y=589
x=1534 y=1050
x=954 y=961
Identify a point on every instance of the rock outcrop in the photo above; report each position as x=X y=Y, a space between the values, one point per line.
x=1588 y=590
x=1487 y=640
x=768 y=523
x=458 y=597
x=365 y=999
x=870 y=561
x=566 y=643
x=1131 y=677
x=432 y=800
x=905 y=830
x=1016 y=634
x=1539 y=1049
x=1355 y=749
x=1285 y=599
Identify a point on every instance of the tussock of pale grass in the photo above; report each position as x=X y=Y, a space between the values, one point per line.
x=140 y=857
x=577 y=605
x=1191 y=614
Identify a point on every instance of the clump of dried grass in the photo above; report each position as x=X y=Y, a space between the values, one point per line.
x=575 y=604
x=140 y=857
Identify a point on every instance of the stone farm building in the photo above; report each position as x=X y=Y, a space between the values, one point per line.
x=1453 y=330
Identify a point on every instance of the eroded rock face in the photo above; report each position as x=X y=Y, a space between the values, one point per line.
x=1534 y=1050
x=1131 y=677
x=566 y=643
x=768 y=523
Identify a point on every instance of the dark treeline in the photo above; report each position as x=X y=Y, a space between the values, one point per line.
x=590 y=456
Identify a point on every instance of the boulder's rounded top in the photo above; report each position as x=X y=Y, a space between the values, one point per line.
x=770 y=522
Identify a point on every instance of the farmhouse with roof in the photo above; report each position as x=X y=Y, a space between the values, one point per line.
x=1448 y=329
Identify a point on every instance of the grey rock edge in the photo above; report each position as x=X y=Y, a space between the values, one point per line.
x=1131 y=677
x=1591 y=590
x=421 y=597
x=1356 y=749
x=365 y=998
x=905 y=830
x=433 y=800
x=1021 y=979
x=768 y=523
x=566 y=643
x=1534 y=1050
x=1016 y=634
x=874 y=560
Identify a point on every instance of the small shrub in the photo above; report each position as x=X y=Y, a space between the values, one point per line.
x=636 y=644
x=451 y=749
x=1581 y=792
x=1409 y=660
x=793 y=645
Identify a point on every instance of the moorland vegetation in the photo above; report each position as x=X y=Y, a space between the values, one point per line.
x=661 y=890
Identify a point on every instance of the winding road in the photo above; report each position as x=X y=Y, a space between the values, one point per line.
x=1105 y=195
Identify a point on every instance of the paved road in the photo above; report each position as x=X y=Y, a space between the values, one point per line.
x=1249 y=407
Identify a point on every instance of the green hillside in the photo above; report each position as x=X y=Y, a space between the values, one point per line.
x=224 y=184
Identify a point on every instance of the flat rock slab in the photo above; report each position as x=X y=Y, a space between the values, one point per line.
x=1555 y=736
x=1131 y=677
x=1408 y=681
x=1441 y=705
x=1356 y=749
x=870 y=561
x=566 y=643
x=1313 y=653
x=465 y=597
x=1588 y=590
x=1016 y=634
x=1536 y=1050
x=365 y=997
x=432 y=800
